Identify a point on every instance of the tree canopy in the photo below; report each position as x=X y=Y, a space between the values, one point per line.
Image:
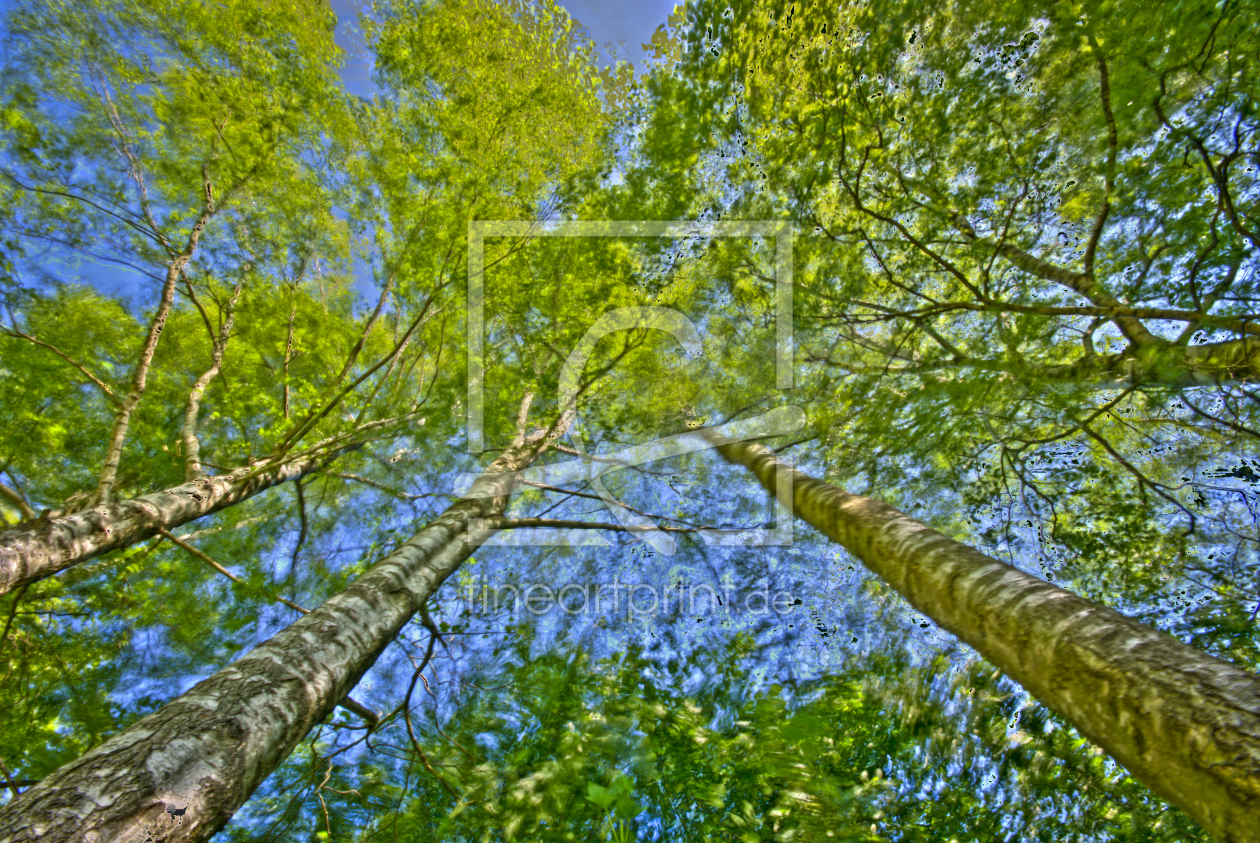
x=381 y=466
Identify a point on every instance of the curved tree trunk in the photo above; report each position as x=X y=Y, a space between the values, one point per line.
x=180 y=773
x=1185 y=724
x=40 y=549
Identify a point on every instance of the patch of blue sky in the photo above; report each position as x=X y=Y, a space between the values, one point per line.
x=620 y=28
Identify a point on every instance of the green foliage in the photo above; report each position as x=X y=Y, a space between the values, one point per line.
x=1014 y=227
x=1017 y=228
x=560 y=748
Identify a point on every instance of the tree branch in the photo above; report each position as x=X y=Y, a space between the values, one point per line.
x=1110 y=178
x=347 y=703
x=19 y=500
x=192 y=447
x=139 y=378
x=20 y=334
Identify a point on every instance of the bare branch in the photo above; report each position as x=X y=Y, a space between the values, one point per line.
x=567 y=524
x=100 y=384
x=301 y=539
x=19 y=500
x=348 y=702
x=125 y=148
x=1110 y=179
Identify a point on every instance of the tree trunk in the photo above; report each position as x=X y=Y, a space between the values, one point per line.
x=192 y=445
x=33 y=551
x=180 y=773
x=1160 y=363
x=1185 y=724
x=139 y=376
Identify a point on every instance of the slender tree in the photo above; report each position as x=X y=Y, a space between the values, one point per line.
x=1184 y=723
x=1026 y=219
x=203 y=754
x=393 y=359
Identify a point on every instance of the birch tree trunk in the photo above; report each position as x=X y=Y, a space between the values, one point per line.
x=180 y=773
x=39 y=549
x=192 y=445
x=1185 y=724
x=140 y=375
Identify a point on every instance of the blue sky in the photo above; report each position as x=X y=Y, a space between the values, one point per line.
x=614 y=21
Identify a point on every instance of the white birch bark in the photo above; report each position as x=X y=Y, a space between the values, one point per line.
x=39 y=549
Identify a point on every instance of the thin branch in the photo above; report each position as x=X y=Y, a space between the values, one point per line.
x=17 y=598
x=178 y=542
x=301 y=539
x=347 y=702
x=589 y=496
x=566 y=524
x=20 y=334
x=390 y=490
x=314 y=417
x=192 y=447
x=13 y=784
x=66 y=195
x=201 y=308
x=288 y=351
x=134 y=169
x=406 y=708
x=1112 y=144
x=19 y=500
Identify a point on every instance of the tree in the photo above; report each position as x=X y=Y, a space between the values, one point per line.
x=424 y=116
x=209 y=122
x=986 y=200
x=1129 y=688
x=946 y=162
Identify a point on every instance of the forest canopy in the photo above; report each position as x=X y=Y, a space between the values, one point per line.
x=841 y=426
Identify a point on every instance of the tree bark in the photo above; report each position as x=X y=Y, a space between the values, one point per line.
x=1159 y=363
x=39 y=549
x=192 y=446
x=139 y=377
x=204 y=753
x=1185 y=724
